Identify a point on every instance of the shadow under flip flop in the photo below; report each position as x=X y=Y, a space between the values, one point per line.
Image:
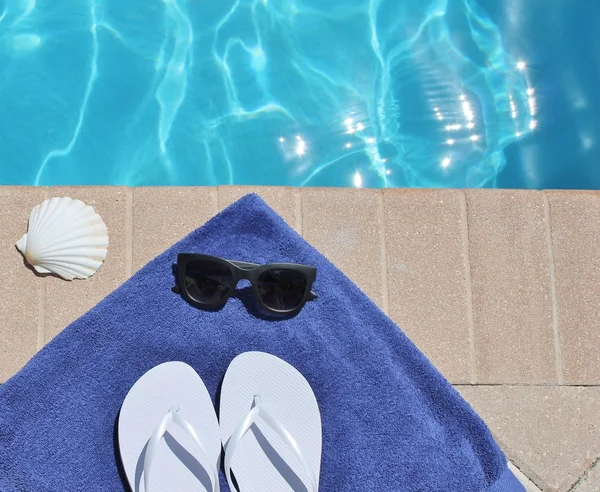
x=184 y=456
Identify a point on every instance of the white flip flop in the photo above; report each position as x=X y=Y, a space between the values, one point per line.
x=270 y=426
x=168 y=432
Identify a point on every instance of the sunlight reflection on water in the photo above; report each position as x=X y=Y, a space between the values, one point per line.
x=341 y=93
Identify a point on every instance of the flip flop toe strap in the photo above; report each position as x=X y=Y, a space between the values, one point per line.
x=244 y=426
x=173 y=416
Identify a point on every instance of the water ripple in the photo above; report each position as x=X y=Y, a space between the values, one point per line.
x=86 y=97
x=288 y=92
x=171 y=91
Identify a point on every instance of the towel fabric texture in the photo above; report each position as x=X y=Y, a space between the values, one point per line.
x=391 y=422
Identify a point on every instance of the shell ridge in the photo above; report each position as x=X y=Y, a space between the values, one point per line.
x=72 y=236
x=51 y=211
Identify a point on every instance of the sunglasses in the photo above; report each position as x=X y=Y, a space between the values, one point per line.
x=208 y=282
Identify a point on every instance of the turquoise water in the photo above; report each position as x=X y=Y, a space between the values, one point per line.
x=373 y=93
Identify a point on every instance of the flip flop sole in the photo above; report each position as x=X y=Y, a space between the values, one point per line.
x=178 y=465
x=263 y=461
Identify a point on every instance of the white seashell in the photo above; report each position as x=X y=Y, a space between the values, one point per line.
x=65 y=237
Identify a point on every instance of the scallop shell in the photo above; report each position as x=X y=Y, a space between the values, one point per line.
x=65 y=237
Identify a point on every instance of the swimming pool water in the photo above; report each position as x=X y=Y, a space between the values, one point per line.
x=377 y=93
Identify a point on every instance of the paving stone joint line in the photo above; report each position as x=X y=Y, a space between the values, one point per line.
x=129 y=234
x=551 y=271
x=384 y=265
x=584 y=476
x=468 y=285
x=298 y=210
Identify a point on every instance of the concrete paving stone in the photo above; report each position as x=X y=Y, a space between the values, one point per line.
x=427 y=275
x=550 y=433
x=510 y=273
x=575 y=221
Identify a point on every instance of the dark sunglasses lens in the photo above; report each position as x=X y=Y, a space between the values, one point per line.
x=281 y=289
x=208 y=282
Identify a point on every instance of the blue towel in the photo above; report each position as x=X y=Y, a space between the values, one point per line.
x=391 y=422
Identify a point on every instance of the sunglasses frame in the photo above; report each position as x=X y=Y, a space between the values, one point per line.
x=241 y=270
